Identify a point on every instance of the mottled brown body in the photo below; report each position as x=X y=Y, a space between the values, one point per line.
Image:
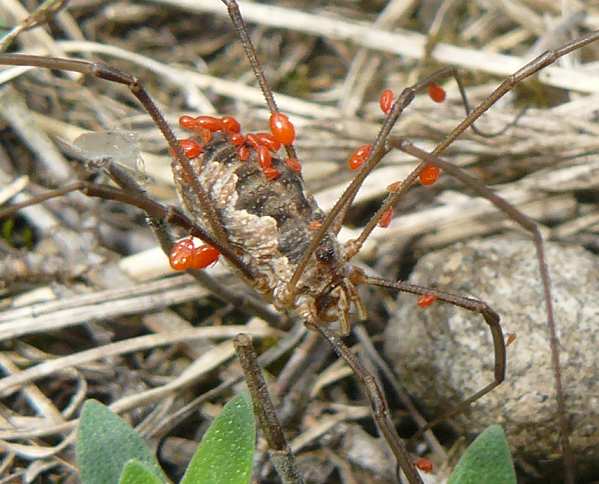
x=268 y=225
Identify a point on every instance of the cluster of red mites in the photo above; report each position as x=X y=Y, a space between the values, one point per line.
x=185 y=254
x=427 y=176
x=430 y=173
x=264 y=144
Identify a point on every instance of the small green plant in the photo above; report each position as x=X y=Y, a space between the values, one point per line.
x=108 y=450
x=487 y=460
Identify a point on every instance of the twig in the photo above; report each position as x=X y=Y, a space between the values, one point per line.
x=281 y=455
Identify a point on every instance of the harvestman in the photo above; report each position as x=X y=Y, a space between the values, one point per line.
x=291 y=255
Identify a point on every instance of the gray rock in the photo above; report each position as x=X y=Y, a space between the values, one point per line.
x=444 y=354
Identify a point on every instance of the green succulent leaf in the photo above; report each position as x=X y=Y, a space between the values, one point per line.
x=105 y=443
x=487 y=460
x=136 y=472
x=226 y=451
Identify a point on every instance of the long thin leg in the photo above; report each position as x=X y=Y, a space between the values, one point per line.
x=376 y=154
x=543 y=60
x=528 y=70
x=470 y=304
x=106 y=72
x=537 y=238
x=153 y=209
x=378 y=403
x=250 y=52
x=378 y=148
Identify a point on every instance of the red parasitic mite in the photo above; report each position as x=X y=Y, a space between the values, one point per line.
x=424 y=464
x=426 y=300
x=191 y=147
x=188 y=123
x=243 y=152
x=264 y=157
x=271 y=173
x=436 y=92
x=281 y=128
x=269 y=141
x=386 y=100
x=386 y=218
x=230 y=124
x=358 y=157
x=209 y=123
x=249 y=205
x=190 y=253
x=237 y=139
x=429 y=174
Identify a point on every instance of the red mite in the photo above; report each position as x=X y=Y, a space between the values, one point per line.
x=190 y=253
x=282 y=129
x=386 y=101
x=386 y=218
x=231 y=125
x=269 y=141
x=426 y=300
x=429 y=175
x=436 y=92
x=359 y=156
x=191 y=147
x=210 y=123
x=424 y=464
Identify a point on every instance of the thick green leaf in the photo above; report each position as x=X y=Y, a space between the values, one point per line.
x=105 y=443
x=136 y=472
x=226 y=451
x=487 y=460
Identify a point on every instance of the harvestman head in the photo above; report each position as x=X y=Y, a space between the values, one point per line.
x=248 y=205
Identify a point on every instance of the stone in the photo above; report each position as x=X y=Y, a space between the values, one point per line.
x=444 y=354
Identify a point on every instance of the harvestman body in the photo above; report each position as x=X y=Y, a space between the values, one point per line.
x=252 y=207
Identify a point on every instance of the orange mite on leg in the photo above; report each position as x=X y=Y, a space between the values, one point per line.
x=271 y=173
x=188 y=123
x=237 y=139
x=424 y=464
x=426 y=300
x=191 y=147
x=385 y=219
x=186 y=254
x=436 y=92
x=386 y=100
x=359 y=156
x=264 y=157
x=429 y=175
x=244 y=152
x=230 y=124
x=269 y=141
x=210 y=123
x=282 y=129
